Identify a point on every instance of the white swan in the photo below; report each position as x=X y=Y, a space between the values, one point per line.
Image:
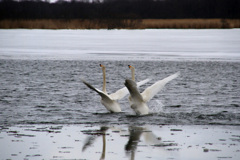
x=110 y=101
x=138 y=101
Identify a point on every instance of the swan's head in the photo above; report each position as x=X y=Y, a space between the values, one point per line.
x=131 y=67
x=102 y=66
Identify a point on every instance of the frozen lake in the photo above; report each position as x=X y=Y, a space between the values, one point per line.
x=83 y=44
x=46 y=108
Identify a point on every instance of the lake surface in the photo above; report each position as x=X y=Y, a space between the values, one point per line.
x=42 y=96
x=51 y=91
x=120 y=142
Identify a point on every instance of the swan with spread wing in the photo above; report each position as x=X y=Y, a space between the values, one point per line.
x=110 y=100
x=138 y=101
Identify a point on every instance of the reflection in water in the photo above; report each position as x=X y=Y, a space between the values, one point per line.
x=134 y=138
x=135 y=134
x=104 y=147
x=107 y=143
x=94 y=134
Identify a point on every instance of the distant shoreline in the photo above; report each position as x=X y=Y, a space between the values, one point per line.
x=119 y=23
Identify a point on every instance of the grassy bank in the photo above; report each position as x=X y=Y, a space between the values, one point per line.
x=120 y=24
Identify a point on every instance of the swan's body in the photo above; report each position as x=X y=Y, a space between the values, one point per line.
x=139 y=108
x=110 y=100
x=138 y=101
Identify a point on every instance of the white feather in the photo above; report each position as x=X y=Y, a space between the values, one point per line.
x=138 y=101
x=151 y=91
x=121 y=93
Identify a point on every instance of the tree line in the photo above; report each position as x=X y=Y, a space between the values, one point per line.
x=120 y=9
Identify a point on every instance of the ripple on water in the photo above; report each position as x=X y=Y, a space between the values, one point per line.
x=51 y=92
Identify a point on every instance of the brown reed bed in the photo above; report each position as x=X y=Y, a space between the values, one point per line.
x=120 y=24
x=191 y=23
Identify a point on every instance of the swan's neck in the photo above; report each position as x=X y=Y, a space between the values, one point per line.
x=104 y=80
x=133 y=73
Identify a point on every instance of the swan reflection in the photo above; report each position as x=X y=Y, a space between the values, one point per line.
x=135 y=137
x=132 y=136
x=93 y=135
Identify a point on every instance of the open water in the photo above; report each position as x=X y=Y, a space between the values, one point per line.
x=51 y=92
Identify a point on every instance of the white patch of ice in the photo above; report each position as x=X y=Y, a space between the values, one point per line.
x=114 y=44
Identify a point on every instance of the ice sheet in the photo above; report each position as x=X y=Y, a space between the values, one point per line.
x=115 y=44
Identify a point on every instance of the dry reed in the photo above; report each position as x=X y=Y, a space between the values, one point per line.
x=120 y=24
x=191 y=23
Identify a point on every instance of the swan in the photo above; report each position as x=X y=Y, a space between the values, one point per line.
x=138 y=101
x=110 y=100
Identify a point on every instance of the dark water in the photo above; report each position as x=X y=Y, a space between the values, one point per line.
x=51 y=92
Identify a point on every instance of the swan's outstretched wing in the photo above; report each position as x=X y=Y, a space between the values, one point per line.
x=121 y=93
x=132 y=88
x=151 y=91
x=143 y=82
x=101 y=93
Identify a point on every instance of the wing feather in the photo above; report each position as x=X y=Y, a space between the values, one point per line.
x=101 y=93
x=121 y=93
x=143 y=82
x=151 y=91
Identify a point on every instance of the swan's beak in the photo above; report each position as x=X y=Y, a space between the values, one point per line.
x=129 y=66
x=102 y=66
